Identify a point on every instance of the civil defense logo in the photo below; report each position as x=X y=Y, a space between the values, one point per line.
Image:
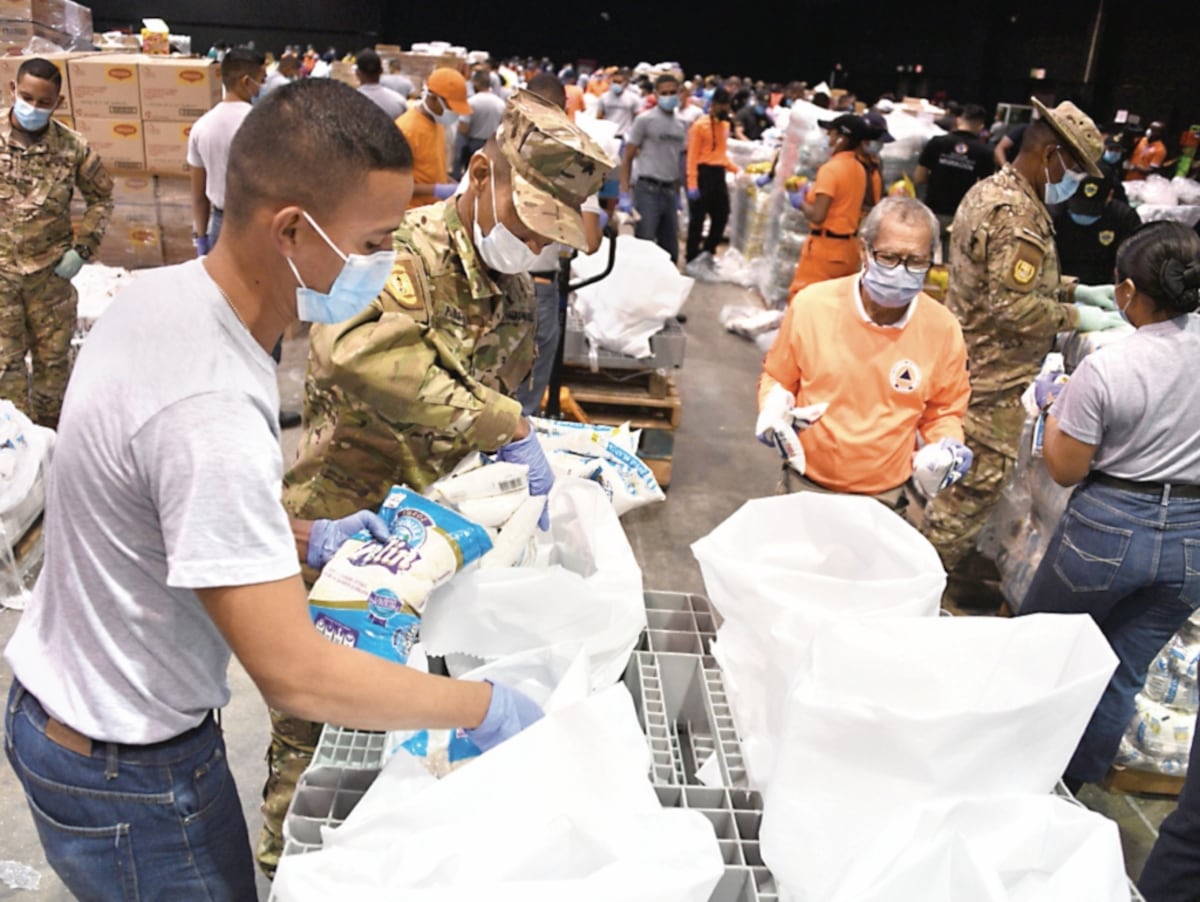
x=905 y=377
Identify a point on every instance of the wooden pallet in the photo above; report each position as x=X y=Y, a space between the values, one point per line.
x=615 y=404
x=28 y=541
x=655 y=383
x=1126 y=779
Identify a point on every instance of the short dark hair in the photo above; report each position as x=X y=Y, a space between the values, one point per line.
x=481 y=79
x=719 y=95
x=821 y=99
x=1163 y=259
x=238 y=62
x=41 y=68
x=547 y=86
x=973 y=112
x=1037 y=135
x=309 y=143
x=367 y=62
x=665 y=79
x=291 y=61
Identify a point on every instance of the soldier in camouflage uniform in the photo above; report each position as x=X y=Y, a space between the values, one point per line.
x=1007 y=290
x=41 y=163
x=405 y=390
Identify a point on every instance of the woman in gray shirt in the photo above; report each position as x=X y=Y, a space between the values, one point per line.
x=1126 y=427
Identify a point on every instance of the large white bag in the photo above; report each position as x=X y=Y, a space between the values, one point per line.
x=782 y=566
x=888 y=714
x=562 y=811
x=1017 y=849
x=590 y=593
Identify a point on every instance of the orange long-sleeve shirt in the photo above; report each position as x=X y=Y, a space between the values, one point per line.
x=883 y=384
x=707 y=145
x=1146 y=154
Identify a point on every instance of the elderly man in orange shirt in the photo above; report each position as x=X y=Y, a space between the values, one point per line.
x=424 y=125
x=886 y=361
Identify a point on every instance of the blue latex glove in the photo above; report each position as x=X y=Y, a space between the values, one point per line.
x=528 y=451
x=444 y=190
x=625 y=202
x=1093 y=319
x=693 y=194
x=963 y=458
x=508 y=713
x=1046 y=388
x=69 y=266
x=1102 y=296
x=939 y=466
x=203 y=246
x=603 y=216
x=797 y=197
x=327 y=536
x=763 y=180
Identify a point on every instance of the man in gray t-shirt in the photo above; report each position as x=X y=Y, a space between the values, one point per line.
x=369 y=70
x=167 y=546
x=657 y=141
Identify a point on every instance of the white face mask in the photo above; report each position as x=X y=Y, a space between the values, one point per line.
x=446 y=117
x=500 y=249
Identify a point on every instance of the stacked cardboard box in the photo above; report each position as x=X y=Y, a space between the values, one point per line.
x=65 y=23
x=151 y=222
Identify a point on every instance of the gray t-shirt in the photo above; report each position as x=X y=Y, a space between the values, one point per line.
x=386 y=99
x=1139 y=400
x=660 y=139
x=486 y=112
x=401 y=84
x=167 y=478
x=620 y=109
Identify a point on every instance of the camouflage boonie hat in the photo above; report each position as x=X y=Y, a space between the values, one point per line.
x=555 y=167
x=1077 y=131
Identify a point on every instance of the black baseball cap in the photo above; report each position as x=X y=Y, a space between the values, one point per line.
x=1091 y=197
x=878 y=126
x=849 y=125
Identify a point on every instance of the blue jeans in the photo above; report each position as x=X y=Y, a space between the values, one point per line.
x=216 y=218
x=530 y=393
x=1132 y=561
x=132 y=822
x=658 y=206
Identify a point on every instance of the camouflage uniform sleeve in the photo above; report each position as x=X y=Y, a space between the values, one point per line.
x=405 y=374
x=95 y=184
x=1018 y=302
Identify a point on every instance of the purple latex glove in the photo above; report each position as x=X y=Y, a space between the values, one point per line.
x=625 y=202
x=203 y=245
x=797 y=197
x=1046 y=388
x=508 y=713
x=327 y=536
x=528 y=451
x=693 y=194
x=603 y=220
x=763 y=180
x=444 y=190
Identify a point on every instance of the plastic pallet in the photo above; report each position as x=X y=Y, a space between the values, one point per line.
x=667 y=347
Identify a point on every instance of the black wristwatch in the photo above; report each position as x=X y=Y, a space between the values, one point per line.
x=84 y=252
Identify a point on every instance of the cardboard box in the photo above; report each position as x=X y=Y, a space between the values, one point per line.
x=8 y=74
x=166 y=146
x=178 y=88
x=118 y=141
x=174 y=190
x=15 y=35
x=135 y=189
x=417 y=66
x=65 y=120
x=105 y=85
x=47 y=12
x=133 y=238
x=175 y=223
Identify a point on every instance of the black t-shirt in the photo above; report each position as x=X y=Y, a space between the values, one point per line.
x=955 y=162
x=753 y=124
x=1090 y=252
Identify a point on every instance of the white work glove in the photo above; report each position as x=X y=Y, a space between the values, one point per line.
x=1102 y=296
x=776 y=409
x=940 y=465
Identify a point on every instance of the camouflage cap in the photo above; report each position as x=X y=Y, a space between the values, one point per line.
x=1077 y=131
x=555 y=167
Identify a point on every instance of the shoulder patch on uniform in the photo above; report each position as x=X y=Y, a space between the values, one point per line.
x=402 y=283
x=1027 y=258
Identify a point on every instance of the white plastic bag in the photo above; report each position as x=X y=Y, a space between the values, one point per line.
x=645 y=289
x=561 y=811
x=888 y=714
x=1018 y=849
x=780 y=567
x=590 y=593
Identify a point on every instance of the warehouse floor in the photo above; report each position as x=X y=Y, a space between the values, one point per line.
x=717 y=466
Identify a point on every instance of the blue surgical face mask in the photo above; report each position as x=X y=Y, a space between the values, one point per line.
x=617 y=89
x=1112 y=156
x=760 y=109
x=668 y=103
x=360 y=281
x=30 y=117
x=1060 y=192
x=895 y=287
x=1081 y=220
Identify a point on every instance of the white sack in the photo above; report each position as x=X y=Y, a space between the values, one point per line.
x=780 y=567
x=563 y=810
x=642 y=292
x=590 y=593
x=888 y=714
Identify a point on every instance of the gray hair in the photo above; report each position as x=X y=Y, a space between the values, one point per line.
x=900 y=209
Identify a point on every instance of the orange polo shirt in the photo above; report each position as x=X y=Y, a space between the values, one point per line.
x=1147 y=155
x=427 y=139
x=844 y=179
x=883 y=384
x=707 y=145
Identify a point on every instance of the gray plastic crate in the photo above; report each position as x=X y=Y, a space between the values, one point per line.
x=666 y=349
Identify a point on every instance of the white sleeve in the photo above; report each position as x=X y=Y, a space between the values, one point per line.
x=215 y=473
x=592 y=205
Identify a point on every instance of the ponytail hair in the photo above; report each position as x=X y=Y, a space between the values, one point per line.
x=1163 y=260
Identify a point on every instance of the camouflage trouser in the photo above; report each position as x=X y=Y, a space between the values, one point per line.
x=37 y=316
x=293 y=742
x=953 y=521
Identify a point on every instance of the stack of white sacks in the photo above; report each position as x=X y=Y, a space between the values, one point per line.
x=901 y=755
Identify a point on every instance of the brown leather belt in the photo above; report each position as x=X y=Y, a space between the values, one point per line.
x=1176 y=490
x=72 y=740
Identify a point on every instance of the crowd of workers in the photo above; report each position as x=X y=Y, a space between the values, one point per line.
x=407 y=216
